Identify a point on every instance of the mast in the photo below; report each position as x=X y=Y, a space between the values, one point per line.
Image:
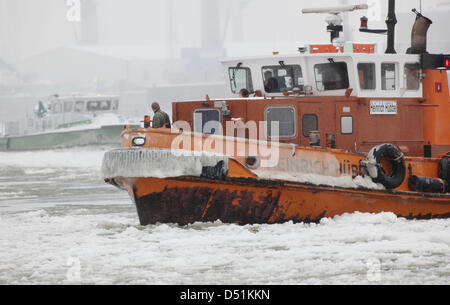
x=391 y=21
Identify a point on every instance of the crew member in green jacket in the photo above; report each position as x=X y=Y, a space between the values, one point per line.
x=160 y=118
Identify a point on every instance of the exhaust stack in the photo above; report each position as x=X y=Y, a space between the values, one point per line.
x=419 y=34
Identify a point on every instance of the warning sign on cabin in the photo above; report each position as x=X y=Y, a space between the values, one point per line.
x=383 y=107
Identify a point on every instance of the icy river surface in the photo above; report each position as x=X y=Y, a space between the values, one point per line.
x=61 y=224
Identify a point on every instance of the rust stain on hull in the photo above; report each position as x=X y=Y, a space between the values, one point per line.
x=188 y=200
x=189 y=205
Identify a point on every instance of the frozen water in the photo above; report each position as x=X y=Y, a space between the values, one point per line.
x=59 y=158
x=61 y=224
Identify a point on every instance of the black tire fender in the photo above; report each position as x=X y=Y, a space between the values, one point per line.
x=376 y=171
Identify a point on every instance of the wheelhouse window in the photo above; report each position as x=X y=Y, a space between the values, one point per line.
x=388 y=76
x=105 y=105
x=68 y=106
x=309 y=123
x=282 y=78
x=57 y=108
x=331 y=76
x=94 y=106
x=79 y=106
x=240 y=78
x=412 y=76
x=285 y=117
x=347 y=125
x=207 y=121
x=115 y=105
x=367 y=76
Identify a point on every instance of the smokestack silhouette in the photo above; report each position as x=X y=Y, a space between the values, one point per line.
x=89 y=23
x=211 y=35
x=419 y=34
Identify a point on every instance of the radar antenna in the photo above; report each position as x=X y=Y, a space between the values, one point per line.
x=335 y=20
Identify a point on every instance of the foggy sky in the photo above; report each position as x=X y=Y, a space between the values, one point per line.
x=29 y=27
x=130 y=47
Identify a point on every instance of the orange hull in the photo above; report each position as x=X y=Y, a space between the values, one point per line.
x=241 y=196
x=249 y=201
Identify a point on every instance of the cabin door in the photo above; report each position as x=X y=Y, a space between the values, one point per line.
x=346 y=131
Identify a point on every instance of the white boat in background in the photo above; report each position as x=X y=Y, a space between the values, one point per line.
x=67 y=121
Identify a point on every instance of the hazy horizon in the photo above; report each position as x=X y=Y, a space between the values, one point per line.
x=124 y=47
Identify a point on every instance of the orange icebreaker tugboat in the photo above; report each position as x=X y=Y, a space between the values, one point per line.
x=335 y=129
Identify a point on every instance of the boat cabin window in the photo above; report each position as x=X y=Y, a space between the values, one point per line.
x=240 y=78
x=309 y=123
x=98 y=105
x=93 y=106
x=207 y=121
x=412 y=76
x=56 y=107
x=367 y=76
x=331 y=76
x=282 y=78
x=68 y=106
x=285 y=117
x=79 y=106
x=115 y=105
x=388 y=76
x=105 y=105
x=347 y=125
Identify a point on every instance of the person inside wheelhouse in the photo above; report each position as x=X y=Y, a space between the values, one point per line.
x=270 y=82
x=282 y=78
